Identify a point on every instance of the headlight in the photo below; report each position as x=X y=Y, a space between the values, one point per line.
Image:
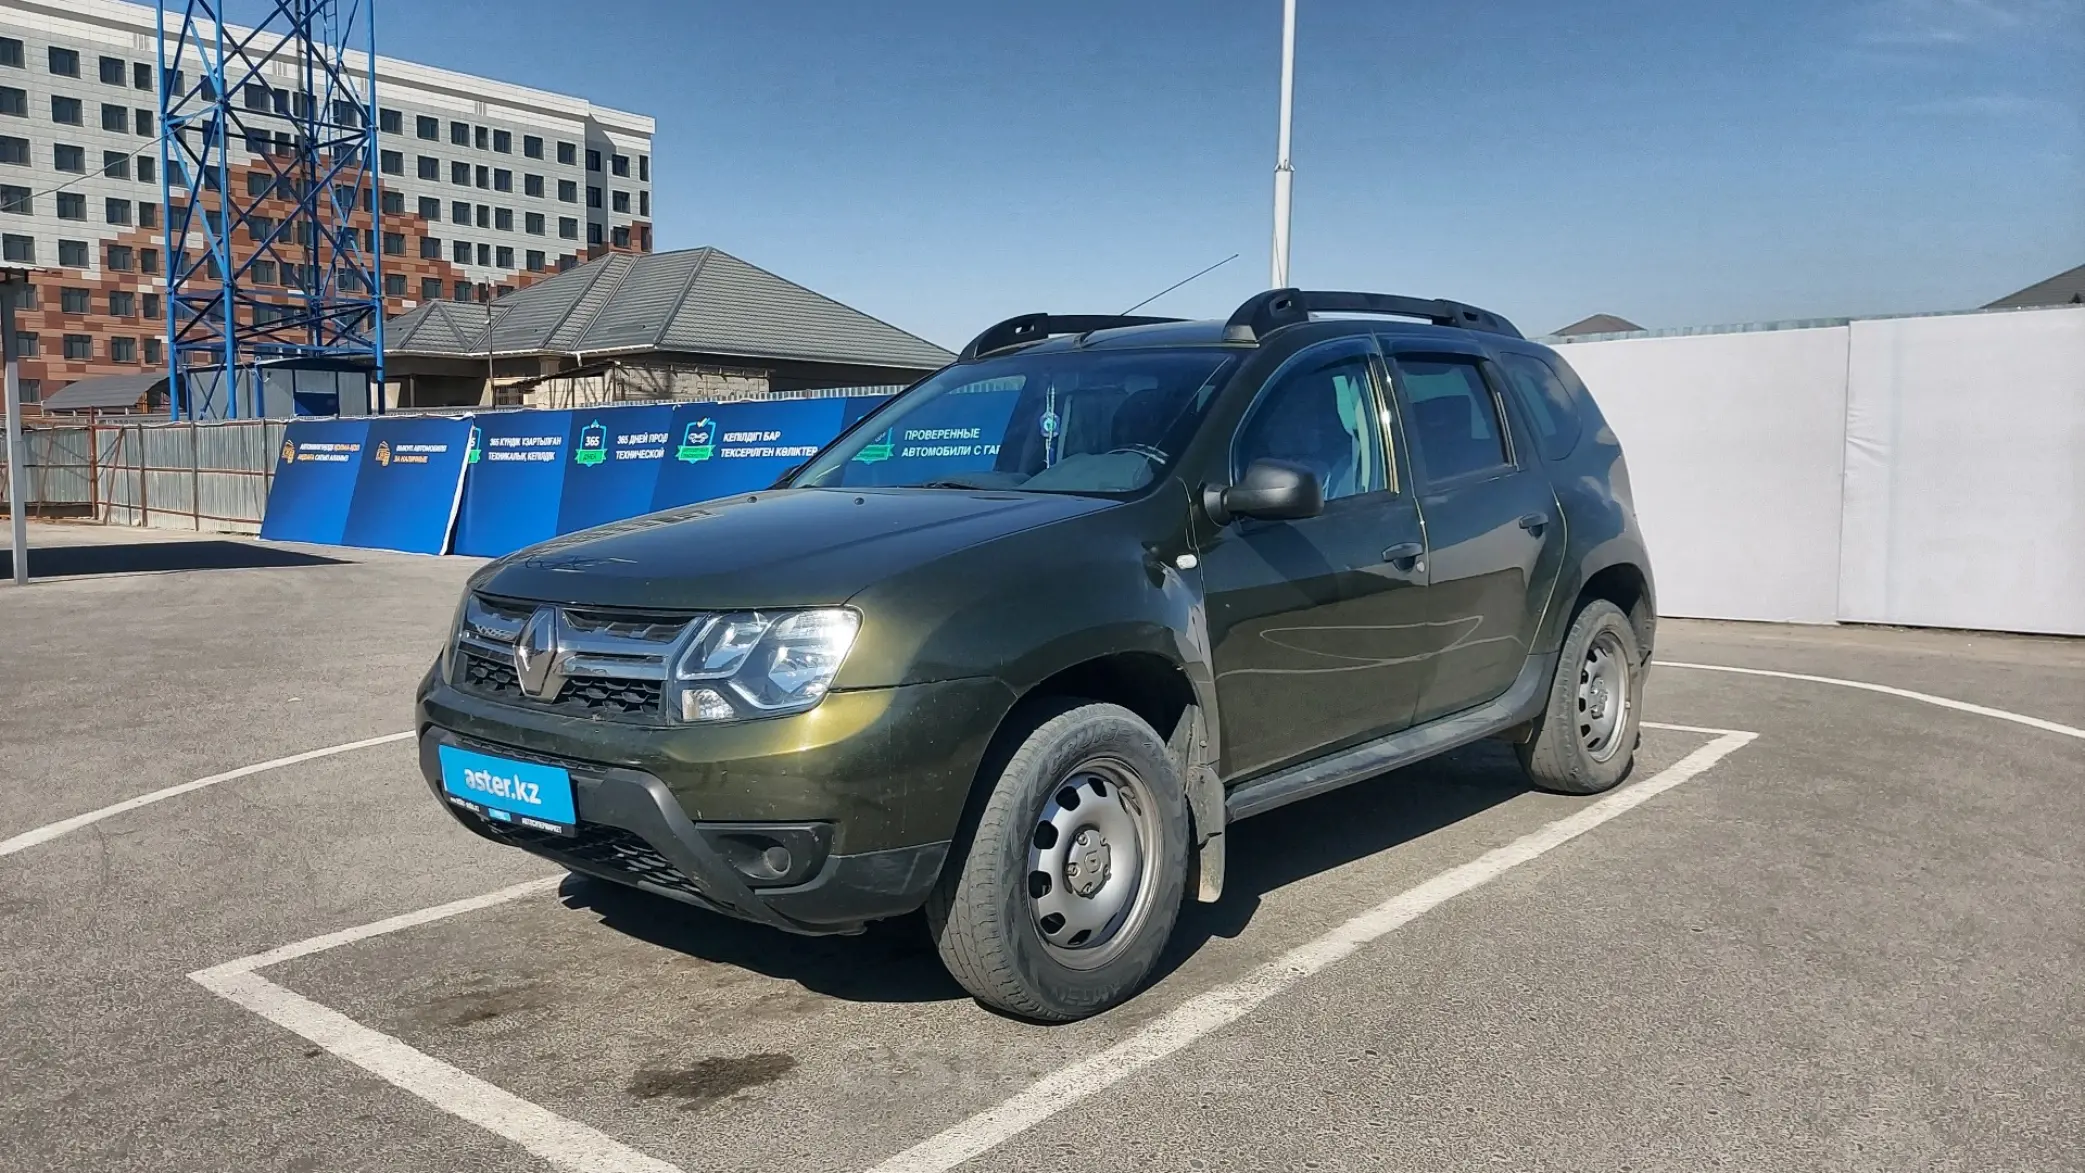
x=448 y=656
x=762 y=663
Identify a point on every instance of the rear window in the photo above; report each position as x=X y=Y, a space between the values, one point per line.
x=1546 y=399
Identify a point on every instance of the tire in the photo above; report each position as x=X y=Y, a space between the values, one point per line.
x=1110 y=867
x=1582 y=744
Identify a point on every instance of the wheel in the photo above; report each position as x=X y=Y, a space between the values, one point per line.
x=1586 y=740
x=1074 y=872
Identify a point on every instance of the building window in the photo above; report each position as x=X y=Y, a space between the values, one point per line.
x=567 y=154
x=484 y=176
x=621 y=236
x=568 y=261
x=72 y=206
x=143 y=119
x=65 y=62
x=14 y=101
x=148 y=169
x=390 y=122
x=427 y=128
x=394 y=202
x=123 y=350
x=152 y=352
x=593 y=197
x=460 y=134
x=644 y=203
x=391 y=162
x=255 y=96
x=79 y=347
x=484 y=216
x=116 y=118
x=258 y=181
x=430 y=248
x=28 y=345
x=644 y=168
x=503 y=219
x=148 y=214
x=619 y=200
x=115 y=164
x=72 y=254
x=151 y=305
x=66 y=111
x=460 y=174
x=69 y=158
x=593 y=233
x=532 y=146
x=140 y=76
x=593 y=159
x=430 y=289
x=504 y=257
x=394 y=244
x=430 y=167
x=535 y=260
x=531 y=185
x=116 y=211
x=430 y=209
x=480 y=137
x=394 y=285
x=460 y=212
x=261 y=272
x=17 y=200
x=532 y=223
x=503 y=142
x=460 y=252
x=123 y=304
x=485 y=254
x=568 y=228
x=11 y=52
x=462 y=291
x=32 y=390
x=619 y=165
x=119 y=258
x=148 y=261
x=258 y=228
x=568 y=191
x=503 y=180
x=19 y=248
x=14 y=150
x=112 y=72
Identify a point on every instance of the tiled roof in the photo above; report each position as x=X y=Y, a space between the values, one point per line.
x=696 y=301
x=103 y=391
x=2065 y=288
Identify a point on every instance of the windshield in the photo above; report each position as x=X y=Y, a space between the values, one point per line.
x=1065 y=421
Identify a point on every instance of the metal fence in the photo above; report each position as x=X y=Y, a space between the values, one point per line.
x=208 y=476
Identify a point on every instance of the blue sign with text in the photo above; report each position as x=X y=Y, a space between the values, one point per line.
x=406 y=492
x=612 y=459
x=515 y=483
x=721 y=449
x=314 y=485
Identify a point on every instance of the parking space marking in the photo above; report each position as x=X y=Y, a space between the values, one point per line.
x=45 y=834
x=1927 y=697
x=1226 y=1004
x=563 y=1142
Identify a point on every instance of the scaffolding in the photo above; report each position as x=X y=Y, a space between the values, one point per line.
x=269 y=170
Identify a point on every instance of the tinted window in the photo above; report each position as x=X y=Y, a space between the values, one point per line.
x=1546 y=400
x=1323 y=416
x=1453 y=421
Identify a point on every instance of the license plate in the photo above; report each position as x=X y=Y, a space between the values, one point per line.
x=507 y=791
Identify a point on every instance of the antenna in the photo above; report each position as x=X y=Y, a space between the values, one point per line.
x=1177 y=284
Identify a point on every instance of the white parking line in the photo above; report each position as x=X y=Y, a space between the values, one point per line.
x=45 y=834
x=1927 y=697
x=1228 y=1003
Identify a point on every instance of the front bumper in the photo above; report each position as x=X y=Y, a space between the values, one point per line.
x=876 y=778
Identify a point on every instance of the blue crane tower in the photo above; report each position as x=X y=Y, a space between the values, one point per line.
x=269 y=166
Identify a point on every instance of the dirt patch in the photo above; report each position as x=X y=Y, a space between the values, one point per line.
x=711 y=1079
x=478 y=1006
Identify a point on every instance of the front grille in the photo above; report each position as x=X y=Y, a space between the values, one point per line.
x=610 y=694
x=485 y=674
x=615 y=661
x=611 y=849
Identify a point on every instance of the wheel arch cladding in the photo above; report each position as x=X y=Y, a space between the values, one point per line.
x=1626 y=586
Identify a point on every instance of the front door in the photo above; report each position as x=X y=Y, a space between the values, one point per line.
x=1494 y=532
x=1318 y=627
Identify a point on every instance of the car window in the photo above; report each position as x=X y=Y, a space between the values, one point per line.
x=1548 y=402
x=1322 y=416
x=1454 y=420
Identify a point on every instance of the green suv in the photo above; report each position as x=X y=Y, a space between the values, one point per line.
x=1022 y=643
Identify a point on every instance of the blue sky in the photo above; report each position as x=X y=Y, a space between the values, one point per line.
x=945 y=163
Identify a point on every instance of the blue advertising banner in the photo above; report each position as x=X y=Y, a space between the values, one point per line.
x=515 y=483
x=406 y=492
x=612 y=463
x=314 y=485
x=720 y=449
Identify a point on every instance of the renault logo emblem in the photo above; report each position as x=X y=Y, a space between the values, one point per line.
x=537 y=655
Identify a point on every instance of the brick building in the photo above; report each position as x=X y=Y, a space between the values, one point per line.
x=483 y=182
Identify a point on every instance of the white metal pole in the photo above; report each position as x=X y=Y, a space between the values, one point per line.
x=1284 y=175
x=17 y=444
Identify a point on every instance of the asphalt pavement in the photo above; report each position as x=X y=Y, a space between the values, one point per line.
x=1851 y=942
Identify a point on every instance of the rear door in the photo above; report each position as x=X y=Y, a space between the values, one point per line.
x=1318 y=627
x=1494 y=533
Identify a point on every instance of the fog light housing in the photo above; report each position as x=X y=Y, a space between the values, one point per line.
x=770 y=855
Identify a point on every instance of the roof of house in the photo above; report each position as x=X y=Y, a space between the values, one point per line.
x=695 y=301
x=105 y=392
x=2065 y=288
x=1599 y=324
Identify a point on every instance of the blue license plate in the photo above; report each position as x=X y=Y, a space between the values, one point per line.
x=529 y=793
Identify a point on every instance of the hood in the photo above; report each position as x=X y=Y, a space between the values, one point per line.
x=786 y=548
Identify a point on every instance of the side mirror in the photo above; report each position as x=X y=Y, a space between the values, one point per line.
x=1271 y=490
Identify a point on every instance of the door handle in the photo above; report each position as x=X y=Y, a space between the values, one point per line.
x=1405 y=556
x=1534 y=523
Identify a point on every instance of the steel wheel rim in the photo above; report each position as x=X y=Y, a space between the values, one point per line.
x=1603 y=703
x=1091 y=863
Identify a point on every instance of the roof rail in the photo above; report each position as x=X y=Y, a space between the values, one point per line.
x=1264 y=313
x=1036 y=327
